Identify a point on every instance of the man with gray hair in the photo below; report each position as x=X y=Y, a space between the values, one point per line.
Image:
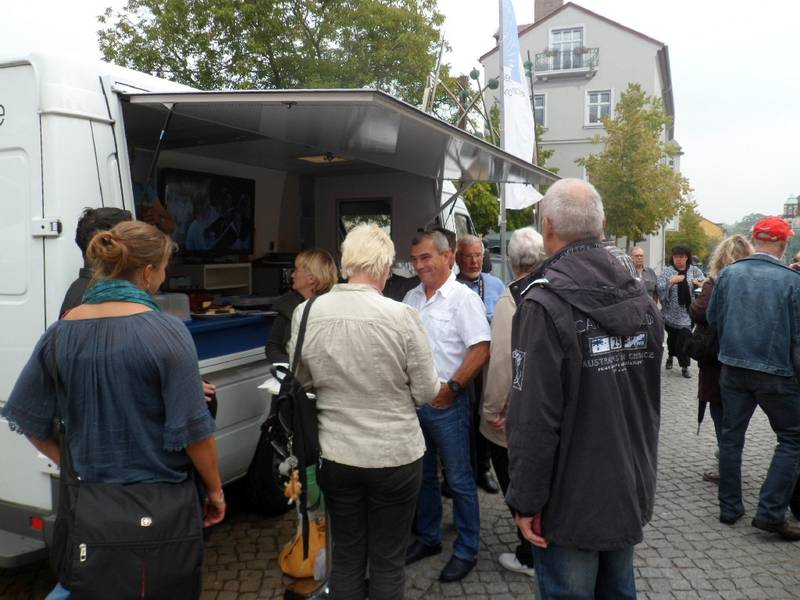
x=457 y=328
x=755 y=308
x=469 y=258
x=583 y=417
x=525 y=254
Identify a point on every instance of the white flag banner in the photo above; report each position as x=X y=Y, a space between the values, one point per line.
x=519 y=134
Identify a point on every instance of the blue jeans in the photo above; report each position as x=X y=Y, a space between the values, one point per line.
x=570 y=573
x=58 y=593
x=447 y=436
x=716 y=417
x=779 y=398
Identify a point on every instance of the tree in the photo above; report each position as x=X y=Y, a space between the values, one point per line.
x=745 y=225
x=212 y=44
x=690 y=233
x=481 y=201
x=640 y=190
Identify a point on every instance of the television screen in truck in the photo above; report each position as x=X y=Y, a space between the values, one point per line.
x=213 y=214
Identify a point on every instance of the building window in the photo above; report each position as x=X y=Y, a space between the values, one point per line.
x=538 y=109
x=563 y=43
x=599 y=105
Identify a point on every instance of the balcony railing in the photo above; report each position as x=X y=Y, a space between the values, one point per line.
x=576 y=61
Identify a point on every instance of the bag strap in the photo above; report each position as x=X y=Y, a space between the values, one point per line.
x=301 y=334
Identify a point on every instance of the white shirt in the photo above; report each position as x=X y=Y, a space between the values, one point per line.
x=454 y=319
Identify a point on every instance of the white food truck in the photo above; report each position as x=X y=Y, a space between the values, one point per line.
x=290 y=169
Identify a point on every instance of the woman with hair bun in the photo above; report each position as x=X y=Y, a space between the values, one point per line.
x=129 y=392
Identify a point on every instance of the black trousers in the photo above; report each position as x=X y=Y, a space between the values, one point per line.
x=523 y=551
x=480 y=454
x=370 y=512
x=676 y=344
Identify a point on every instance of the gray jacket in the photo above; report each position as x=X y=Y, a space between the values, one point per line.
x=585 y=402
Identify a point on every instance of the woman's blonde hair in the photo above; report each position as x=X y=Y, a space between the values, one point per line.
x=321 y=265
x=728 y=251
x=367 y=249
x=121 y=252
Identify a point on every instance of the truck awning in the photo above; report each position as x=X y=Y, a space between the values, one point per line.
x=297 y=130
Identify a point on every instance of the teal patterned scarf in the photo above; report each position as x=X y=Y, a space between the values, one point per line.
x=118 y=290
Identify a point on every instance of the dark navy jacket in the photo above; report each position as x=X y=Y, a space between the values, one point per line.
x=585 y=402
x=756 y=310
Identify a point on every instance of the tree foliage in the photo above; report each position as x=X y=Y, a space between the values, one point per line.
x=640 y=190
x=212 y=44
x=481 y=201
x=745 y=228
x=691 y=233
x=745 y=225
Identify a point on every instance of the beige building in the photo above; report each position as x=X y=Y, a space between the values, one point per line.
x=582 y=62
x=715 y=231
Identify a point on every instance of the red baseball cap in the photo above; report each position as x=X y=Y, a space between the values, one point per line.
x=772 y=229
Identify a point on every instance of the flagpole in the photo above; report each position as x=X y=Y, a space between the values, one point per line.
x=501 y=186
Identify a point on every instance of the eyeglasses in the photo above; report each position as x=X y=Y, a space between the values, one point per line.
x=473 y=256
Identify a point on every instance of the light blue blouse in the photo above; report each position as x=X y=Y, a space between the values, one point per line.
x=130 y=394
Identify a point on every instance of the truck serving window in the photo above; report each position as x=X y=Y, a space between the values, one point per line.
x=463 y=225
x=359 y=212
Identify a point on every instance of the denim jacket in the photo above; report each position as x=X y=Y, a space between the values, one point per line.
x=756 y=309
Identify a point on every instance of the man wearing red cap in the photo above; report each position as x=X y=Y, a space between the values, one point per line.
x=756 y=310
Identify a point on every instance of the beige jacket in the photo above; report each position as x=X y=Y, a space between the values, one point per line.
x=370 y=363
x=497 y=380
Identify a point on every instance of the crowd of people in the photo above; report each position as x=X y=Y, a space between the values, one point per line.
x=552 y=382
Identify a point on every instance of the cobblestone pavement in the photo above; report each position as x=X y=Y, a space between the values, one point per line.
x=686 y=553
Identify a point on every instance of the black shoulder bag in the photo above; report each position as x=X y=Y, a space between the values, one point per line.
x=138 y=540
x=702 y=344
x=293 y=418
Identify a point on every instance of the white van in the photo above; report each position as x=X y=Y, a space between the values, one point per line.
x=314 y=162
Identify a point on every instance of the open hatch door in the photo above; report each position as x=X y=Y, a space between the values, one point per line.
x=322 y=132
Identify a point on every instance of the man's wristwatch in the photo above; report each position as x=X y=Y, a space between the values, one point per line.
x=455 y=387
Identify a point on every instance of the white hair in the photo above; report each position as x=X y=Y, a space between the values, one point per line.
x=468 y=240
x=574 y=209
x=368 y=250
x=525 y=250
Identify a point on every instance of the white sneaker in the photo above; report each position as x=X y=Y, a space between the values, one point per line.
x=508 y=560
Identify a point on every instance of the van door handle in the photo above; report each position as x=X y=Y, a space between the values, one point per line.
x=47 y=227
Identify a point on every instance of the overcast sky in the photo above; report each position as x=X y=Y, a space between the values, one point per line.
x=734 y=76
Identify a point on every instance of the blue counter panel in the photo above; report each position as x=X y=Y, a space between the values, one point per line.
x=218 y=337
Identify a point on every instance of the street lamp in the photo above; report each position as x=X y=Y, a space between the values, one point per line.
x=491 y=84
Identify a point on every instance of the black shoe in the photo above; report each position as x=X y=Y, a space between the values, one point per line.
x=730 y=519
x=446 y=491
x=783 y=529
x=417 y=551
x=685 y=372
x=456 y=569
x=487 y=482
x=669 y=363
